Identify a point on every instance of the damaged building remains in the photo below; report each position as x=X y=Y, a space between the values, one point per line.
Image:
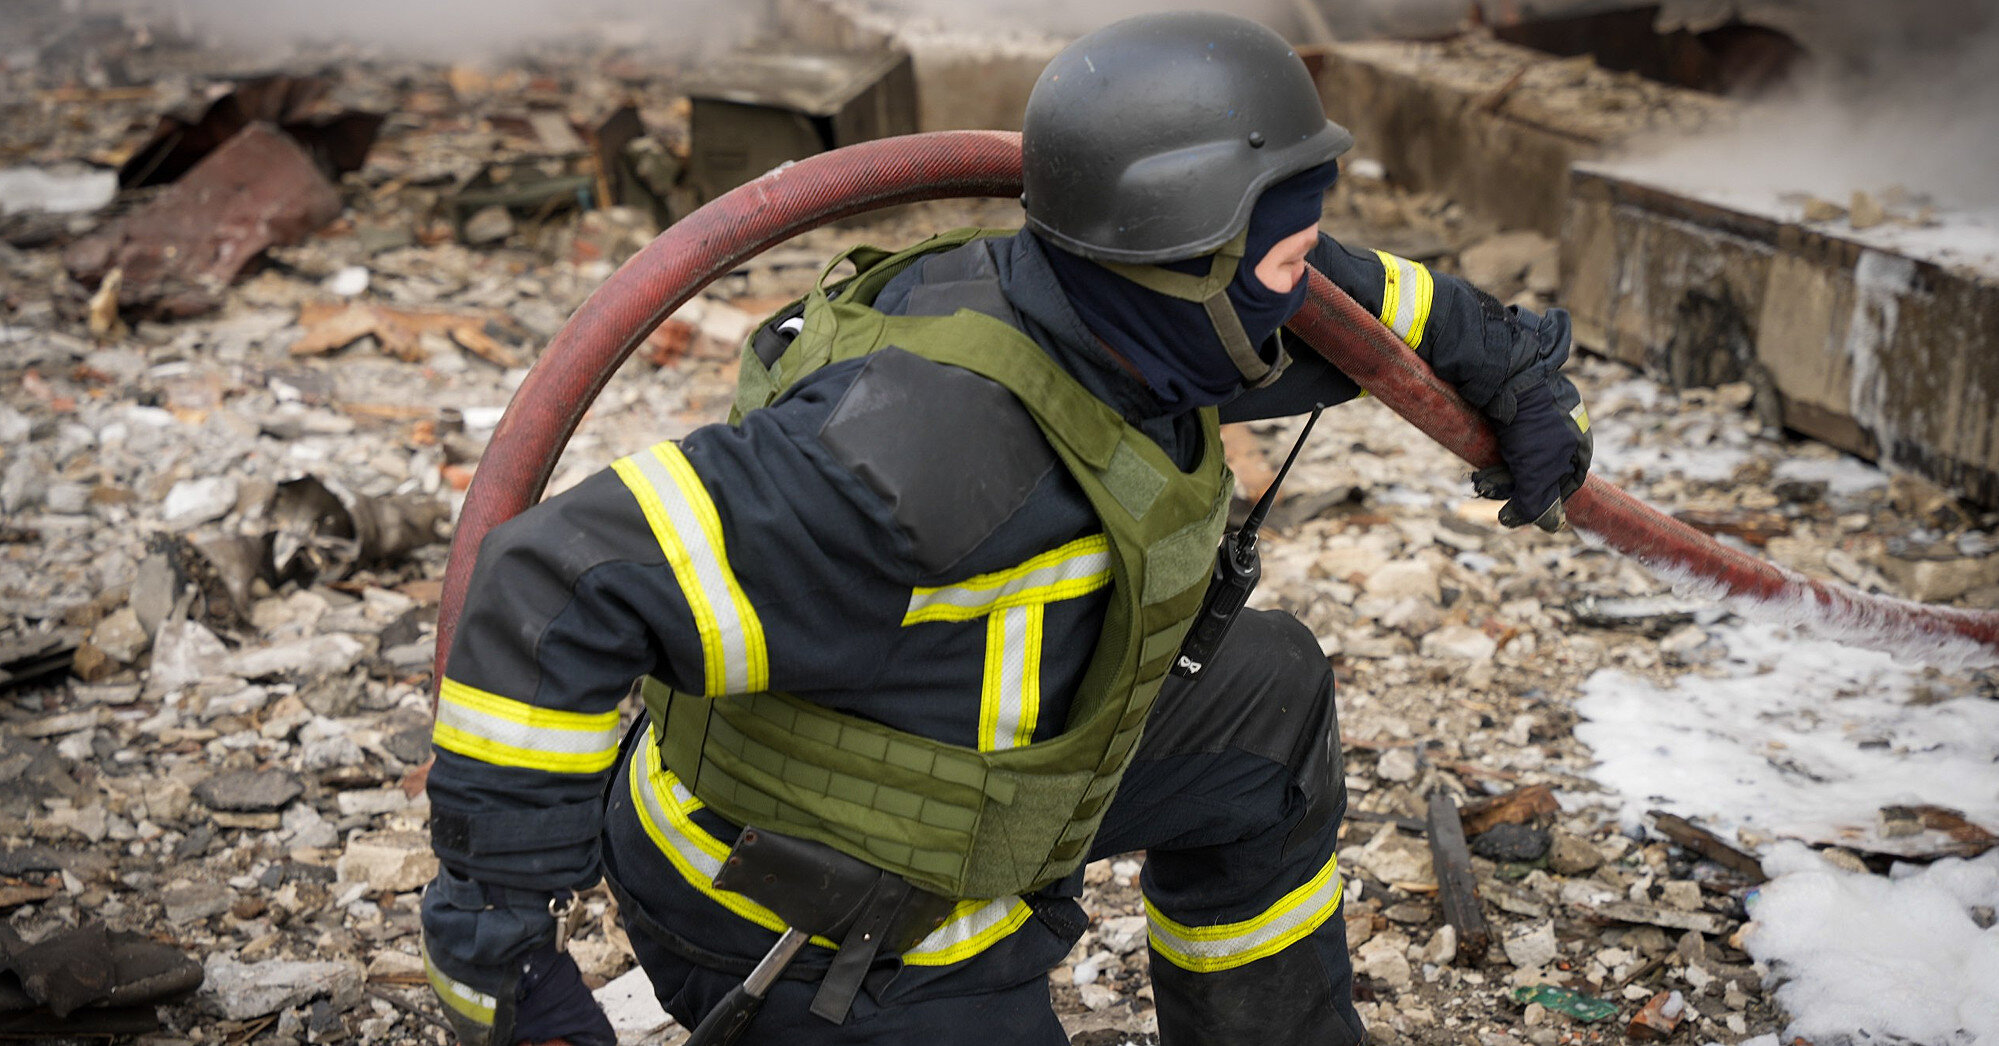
x=269 y=281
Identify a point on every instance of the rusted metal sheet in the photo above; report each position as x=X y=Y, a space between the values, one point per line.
x=338 y=141
x=1873 y=342
x=179 y=251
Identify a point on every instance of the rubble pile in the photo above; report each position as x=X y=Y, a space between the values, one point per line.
x=224 y=535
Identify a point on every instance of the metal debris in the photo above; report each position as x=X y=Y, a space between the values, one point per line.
x=181 y=250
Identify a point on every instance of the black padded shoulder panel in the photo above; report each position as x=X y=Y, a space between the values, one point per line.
x=952 y=453
x=961 y=278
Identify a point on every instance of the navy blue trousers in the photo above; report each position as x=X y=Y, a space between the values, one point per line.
x=1235 y=796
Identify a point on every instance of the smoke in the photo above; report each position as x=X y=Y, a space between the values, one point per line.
x=460 y=29
x=1066 y=18
x=1900 y=98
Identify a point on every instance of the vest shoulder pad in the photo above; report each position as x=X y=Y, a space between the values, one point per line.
x=960 y=278
x=953 y=454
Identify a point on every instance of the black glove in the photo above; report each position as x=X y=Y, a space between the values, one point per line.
x=497 y=988
x=1546 y=449
x=552 y=1002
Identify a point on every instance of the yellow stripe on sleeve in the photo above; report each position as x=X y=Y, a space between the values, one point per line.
x=482 y=725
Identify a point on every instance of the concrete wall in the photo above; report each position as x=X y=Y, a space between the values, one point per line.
x=1869 y=349
x=1493 y=126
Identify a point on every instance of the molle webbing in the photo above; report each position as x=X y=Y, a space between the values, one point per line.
x=951 y=819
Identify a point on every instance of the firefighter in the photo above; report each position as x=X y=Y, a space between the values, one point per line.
x=912 y=610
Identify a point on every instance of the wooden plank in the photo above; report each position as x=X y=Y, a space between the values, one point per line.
x=1709 y=845
x=1519 y=806
x=1457 y=888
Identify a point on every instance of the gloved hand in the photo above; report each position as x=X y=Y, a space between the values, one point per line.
x=537 y=999
x=497 y=985
x=552 y=1002
x=1546 y=450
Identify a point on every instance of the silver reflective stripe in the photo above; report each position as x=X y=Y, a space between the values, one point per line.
x=705 y=866
x=462 y=997
x=505 y=732
x=1061 y=577
x=1206 y=949
x=973 y=928
x=663 y=805
x=689 y=531
x=1407 y=289
x=1011 y=698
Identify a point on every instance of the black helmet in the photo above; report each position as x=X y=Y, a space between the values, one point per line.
x=1150 y=139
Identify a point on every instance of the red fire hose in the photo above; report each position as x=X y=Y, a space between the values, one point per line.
x=746 y=221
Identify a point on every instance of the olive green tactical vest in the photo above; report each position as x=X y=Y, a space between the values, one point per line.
x=954 y=820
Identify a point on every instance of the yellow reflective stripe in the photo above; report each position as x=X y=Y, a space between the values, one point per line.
x=1078 y=568
x=504 y=732
x=1407 y=290
x=689 y=530
x=1206 y=949
x=1030 y=673
x=1582 y=418
x=458 y=995
x=973 y=927
x=663 y=804
x=1010 y=695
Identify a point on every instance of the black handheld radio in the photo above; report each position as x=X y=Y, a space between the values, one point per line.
x=1237 y=570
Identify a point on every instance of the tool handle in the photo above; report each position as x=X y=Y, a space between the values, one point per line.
x=726 y=1022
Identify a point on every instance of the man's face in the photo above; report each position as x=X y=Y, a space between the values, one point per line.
x=1282 y=268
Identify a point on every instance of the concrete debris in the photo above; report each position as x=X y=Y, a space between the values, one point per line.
x=634 y=1010
x=1532 y=947
x=224 y=546
x=192 y=502
x=397 y=862
x=249 y=790
x=239 y=991
x=60 y=190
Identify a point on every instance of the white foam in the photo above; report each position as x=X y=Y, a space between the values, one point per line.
x=1916 y=632
x=1870 y=959
x=1844 y=475
x=1792 y=736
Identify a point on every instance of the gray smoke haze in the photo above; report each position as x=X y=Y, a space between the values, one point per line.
x=1065 y=18
x=1902 y=94
x=459 y=28
x=462 y=29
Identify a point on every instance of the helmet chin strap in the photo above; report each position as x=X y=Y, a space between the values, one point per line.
x=1212 y=292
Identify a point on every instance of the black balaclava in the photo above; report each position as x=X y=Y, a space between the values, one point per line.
x=1172 y=342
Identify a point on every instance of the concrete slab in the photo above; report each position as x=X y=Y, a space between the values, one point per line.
x=1493 y=126
x=1879 y=341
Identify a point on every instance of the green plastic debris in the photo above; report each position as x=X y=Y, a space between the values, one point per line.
x=1566 y=1000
